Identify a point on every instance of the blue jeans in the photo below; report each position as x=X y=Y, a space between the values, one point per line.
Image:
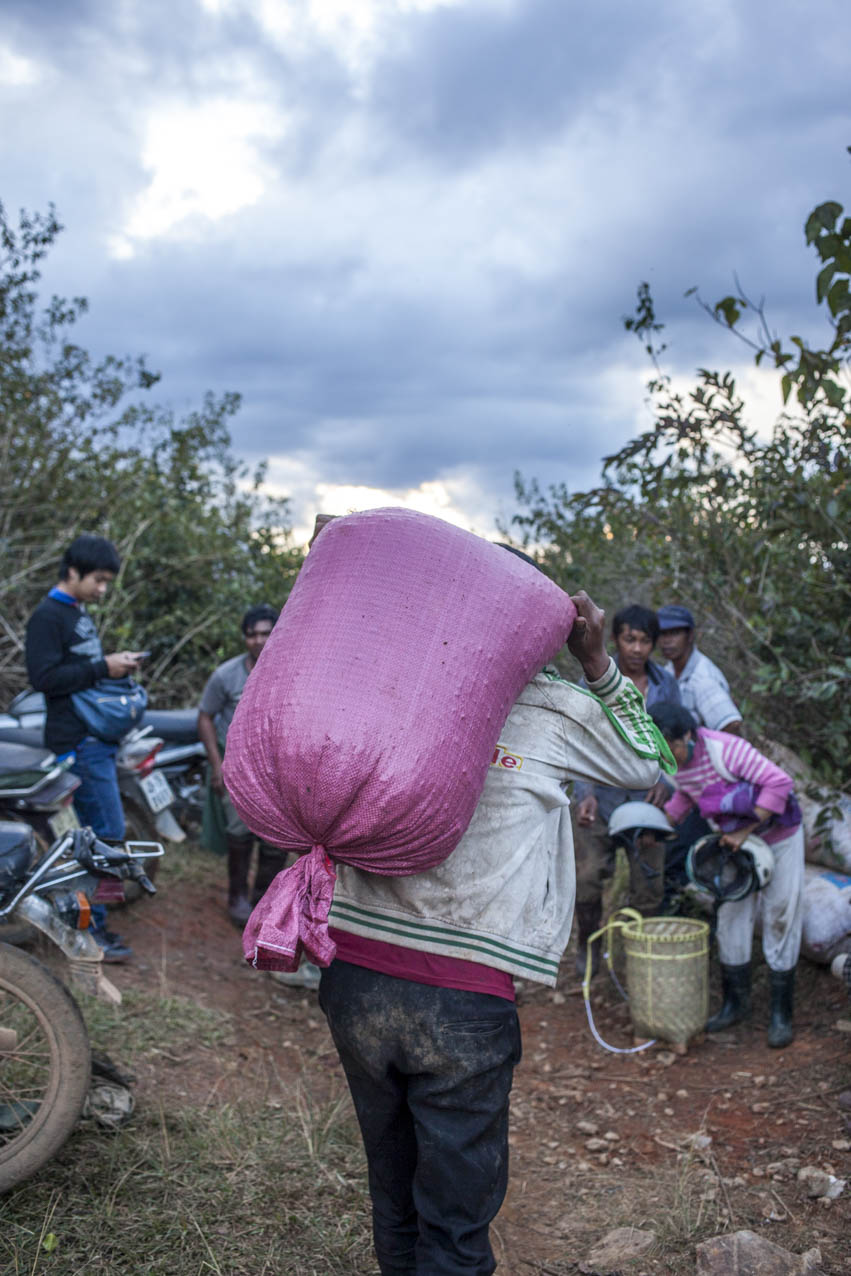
x=98 y=800
x=430 y=1072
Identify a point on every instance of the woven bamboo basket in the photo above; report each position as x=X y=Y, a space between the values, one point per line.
x=667 y=976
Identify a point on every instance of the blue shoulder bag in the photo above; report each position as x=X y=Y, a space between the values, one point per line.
x=111 y=707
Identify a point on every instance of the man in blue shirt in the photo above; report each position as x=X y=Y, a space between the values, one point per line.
x=64 y=655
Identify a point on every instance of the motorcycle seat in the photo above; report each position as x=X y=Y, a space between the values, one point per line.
x=33 y=737
x=174 y=725
x=17 y=757
x=17 y=850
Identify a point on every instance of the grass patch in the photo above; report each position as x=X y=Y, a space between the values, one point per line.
x=146 y=1021
x=189 y=862
x=696 y=1208
x=248 y=1188
x=242 y=1191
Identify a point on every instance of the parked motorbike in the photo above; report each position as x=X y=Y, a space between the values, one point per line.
x=147 y=796
x=45 y=1060
x=181 y=761
x=38 y=790
x=144 y=774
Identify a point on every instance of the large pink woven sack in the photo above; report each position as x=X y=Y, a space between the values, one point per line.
x=365 y=731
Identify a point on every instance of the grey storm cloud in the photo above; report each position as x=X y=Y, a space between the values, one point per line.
x=384 y=395
x=471 y=81
x=433 y=279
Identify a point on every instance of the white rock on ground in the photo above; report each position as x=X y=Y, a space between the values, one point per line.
x=820 y=1184
x=746 y=1254
x=616 y=1248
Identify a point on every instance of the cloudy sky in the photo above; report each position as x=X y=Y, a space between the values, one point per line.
x=407 y=230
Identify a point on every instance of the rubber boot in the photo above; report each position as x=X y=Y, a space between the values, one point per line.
x=736 y=986
x=270 y=861
x=588 y=918
x=780 y=1030
x=239 y=861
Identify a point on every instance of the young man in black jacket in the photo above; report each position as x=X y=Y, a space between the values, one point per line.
x=64 y=655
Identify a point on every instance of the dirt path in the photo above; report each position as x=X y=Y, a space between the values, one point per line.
x=763 y=1113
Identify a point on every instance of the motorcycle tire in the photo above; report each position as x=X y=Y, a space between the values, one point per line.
x=45 y=1065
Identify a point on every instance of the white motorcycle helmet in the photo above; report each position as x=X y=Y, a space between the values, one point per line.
x=728 y=874
x=639 y=817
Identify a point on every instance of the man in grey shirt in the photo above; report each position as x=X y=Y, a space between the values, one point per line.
x=215 y=714
x=704 y=690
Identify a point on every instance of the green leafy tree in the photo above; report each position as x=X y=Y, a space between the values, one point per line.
x=83 y=448
x=752 y=532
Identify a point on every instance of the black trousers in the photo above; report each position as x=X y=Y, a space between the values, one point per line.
x=430 y=1073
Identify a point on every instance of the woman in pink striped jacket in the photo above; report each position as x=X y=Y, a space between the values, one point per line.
x=726 y=765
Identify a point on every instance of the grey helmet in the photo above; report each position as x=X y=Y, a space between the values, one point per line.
x=727 y=874
x=639 y=817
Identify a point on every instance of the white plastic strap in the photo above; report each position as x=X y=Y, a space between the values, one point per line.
x=611 y=924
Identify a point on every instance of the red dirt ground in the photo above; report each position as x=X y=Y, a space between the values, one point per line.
x=767 y=1112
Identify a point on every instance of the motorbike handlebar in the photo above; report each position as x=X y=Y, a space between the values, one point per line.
x=75 y=855
x=114 y=861
x=136 y=873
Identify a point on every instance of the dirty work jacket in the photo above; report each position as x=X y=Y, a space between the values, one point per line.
x=505 y=895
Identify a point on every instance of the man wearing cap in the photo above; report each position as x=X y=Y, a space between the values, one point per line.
x=704 y=690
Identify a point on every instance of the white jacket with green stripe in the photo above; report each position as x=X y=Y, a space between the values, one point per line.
x=505 y=895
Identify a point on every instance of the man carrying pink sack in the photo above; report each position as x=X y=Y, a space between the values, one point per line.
x=400 y=737
x=420 y=998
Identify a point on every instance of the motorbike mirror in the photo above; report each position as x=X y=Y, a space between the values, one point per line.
x=145 y=850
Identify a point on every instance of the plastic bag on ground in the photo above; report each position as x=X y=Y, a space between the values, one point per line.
x=826 y=814
x=827 y=914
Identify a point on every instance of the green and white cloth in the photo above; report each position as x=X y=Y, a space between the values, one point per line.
x=505 y=895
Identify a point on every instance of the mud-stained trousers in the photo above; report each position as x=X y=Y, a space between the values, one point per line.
x=781 y=908
x=595 y=853
x=430 y=1073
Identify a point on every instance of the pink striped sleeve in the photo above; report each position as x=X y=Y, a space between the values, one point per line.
x=677 y=807
x=747 y=763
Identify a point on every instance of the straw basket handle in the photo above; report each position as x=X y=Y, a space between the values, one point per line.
x=618 y=921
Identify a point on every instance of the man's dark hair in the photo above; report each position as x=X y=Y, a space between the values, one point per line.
x=87 y=554
x=636 y=617
x=261 y=612
x=673 y=720
x=519 y=554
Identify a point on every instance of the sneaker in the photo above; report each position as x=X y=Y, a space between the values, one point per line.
x=114 y=948
x=307 y=976
x=239 y=910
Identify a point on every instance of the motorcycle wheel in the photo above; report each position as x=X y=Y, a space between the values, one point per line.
x=45 y=1065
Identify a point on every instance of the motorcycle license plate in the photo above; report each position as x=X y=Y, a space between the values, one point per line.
x=157 y=791
x=64 y=820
